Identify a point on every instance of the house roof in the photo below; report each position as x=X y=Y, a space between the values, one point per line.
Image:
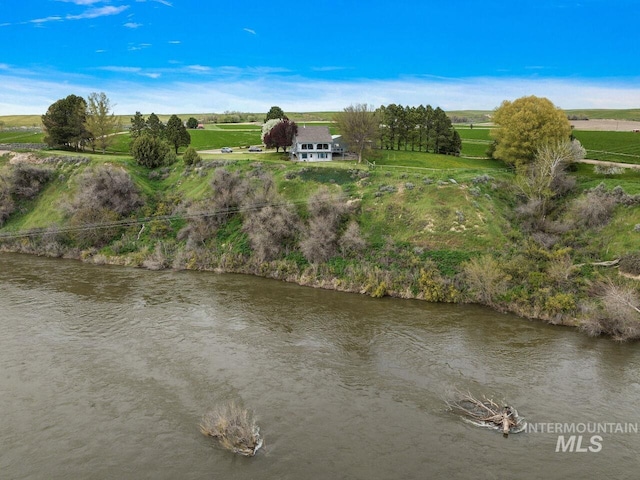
x=314 y=134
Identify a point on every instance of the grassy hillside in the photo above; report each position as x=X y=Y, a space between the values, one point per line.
x=410 y=224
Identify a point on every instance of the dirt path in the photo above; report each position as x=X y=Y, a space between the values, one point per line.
x=609 y=164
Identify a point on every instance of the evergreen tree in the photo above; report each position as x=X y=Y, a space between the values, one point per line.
x=154 y=126
x=138 y=126
x=176 y=133
x=64 y=123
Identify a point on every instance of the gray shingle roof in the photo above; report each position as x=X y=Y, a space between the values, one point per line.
x=314 y=134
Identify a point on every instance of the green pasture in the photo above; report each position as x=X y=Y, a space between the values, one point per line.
x=475 y=133
x=621 y=147
x=17 y=136
x=607 y=114
x=587 y=178
x=430 y=160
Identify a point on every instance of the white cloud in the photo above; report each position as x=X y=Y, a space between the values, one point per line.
x=140 y=46
x=98 y=12
x=163 y=2
x=27 y=94
x=81 y=2
x=121 y=69
x=175 y=42
x=252 y=32
x=198 y=68
x=132 y=25
x=327 y=68
x=53 y=18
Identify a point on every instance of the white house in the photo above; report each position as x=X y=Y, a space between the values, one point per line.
x=312 y=144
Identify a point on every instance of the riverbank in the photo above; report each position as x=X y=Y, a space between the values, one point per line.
x=440 y=235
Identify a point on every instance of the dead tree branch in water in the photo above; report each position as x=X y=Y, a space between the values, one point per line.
x=486 y=412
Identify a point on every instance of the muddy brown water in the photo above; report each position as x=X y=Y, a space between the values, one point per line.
x=106 y=371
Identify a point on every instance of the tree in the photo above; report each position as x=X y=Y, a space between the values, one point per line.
x=545 y=177
x=192 y=123
x=191 y=157
x=267 y=126
x=359 y=126
x=149 y=151
x=525 y=124
x=154 y=126
x=138 y=125
x=176 y=133
x=275 y=113
x=101 y=123
x=64 y=123
x=281 y=135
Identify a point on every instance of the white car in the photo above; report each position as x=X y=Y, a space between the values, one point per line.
x=226 y=150
x=255 y=149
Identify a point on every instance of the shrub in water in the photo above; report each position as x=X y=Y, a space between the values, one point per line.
x=234 y=427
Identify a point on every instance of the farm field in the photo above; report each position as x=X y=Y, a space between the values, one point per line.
x=598 y=136
x=623 y=147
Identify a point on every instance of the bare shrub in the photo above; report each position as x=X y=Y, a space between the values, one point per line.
x=351 y=241
x=620 y=314
x=7 y=205
x=158 y=260
x=234 y=427
x=229 y=191
x=608 y=170
x=630 y=264
x=547 y=240
x=106 y=187
x=202 y=225
x=93 y=226
x=320 y=237
x=594 y=209
x=272 y=230
x=27 y=180
x=485 y=279
x=560 y=270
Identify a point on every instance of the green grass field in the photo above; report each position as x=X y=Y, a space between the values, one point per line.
x=16 y=136
x=621 y=147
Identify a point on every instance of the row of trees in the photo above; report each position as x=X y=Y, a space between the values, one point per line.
x=74 y=122
x=417 y=129
x=174 y=132
x=152 y=139
x=395 y=127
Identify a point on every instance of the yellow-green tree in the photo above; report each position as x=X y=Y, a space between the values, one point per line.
x=100 y=121
x=525 y=124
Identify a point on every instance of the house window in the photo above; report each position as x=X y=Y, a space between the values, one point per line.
x=323 y=146
x=322 y=155
x=304 y=156
x=307 y=146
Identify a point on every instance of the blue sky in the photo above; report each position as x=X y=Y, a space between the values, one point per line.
x=173 y=56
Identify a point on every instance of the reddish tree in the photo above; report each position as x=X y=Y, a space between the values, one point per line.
x=281 y=135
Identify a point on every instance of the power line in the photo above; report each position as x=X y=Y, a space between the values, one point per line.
x=128 y=222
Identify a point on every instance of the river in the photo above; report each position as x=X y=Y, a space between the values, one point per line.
x=106 y=371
